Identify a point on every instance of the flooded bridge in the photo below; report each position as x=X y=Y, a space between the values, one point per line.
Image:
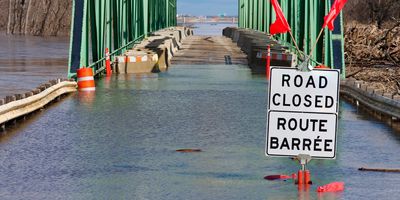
x=132 y=138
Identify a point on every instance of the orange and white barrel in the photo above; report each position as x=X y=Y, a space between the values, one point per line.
x=85 y=79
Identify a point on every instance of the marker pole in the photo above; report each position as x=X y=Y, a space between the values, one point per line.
x=304 y=176
x=268 y=64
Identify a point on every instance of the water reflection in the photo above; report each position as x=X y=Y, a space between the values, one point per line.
x=26 y=62
x=303 y=192
x=330 y=195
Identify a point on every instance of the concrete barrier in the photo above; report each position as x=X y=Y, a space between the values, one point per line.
x=15 y=106
x=154 y=53
x=254 y=44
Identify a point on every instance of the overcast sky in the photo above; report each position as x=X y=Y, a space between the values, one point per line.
x=207 y=7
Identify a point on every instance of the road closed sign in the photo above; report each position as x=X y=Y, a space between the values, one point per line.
x=302 y=113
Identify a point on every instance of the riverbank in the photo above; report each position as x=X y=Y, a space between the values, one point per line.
x=373 y=55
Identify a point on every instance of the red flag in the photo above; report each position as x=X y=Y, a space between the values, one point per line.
x=333 y=13
x=280 y=25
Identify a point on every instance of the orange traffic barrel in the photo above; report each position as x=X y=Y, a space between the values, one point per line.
x=85 y=79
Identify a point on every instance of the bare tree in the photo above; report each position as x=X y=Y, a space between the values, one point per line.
x=372 y=11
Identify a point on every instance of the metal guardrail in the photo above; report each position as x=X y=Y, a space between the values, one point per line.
x=368 y=96
x=32 y=102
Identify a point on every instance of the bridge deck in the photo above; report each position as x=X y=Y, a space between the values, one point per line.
x=209 y=50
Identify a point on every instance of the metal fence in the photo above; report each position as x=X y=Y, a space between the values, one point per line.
x=113 y=24
x=305 y=18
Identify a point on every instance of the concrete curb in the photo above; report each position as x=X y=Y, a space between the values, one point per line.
x=375 y=99
x=24 y=104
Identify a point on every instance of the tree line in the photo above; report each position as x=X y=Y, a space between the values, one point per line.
x=378 y=12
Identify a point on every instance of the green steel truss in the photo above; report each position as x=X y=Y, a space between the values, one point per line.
x=305 y=18
x=118 y=24
x=113 y=24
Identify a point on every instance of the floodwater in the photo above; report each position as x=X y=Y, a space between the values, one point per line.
x=120 y=142
x=209 y=29
x=26 y=62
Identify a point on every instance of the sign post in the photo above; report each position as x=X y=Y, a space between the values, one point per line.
x=302 y=114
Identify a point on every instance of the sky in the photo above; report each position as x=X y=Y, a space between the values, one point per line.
x=207 y=7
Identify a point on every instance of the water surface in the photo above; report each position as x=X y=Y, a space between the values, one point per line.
x=27 y=61
x=121 y=142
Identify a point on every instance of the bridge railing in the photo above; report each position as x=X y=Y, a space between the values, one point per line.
x=113 y=24
x=305 y=18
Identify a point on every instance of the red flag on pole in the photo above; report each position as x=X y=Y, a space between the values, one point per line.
x=280 y=25
x=333 y=13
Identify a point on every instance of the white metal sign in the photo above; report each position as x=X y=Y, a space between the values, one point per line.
x=302 y=112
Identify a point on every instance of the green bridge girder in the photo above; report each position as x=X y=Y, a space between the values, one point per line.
x=113 y=24
x=119 y=24
x=305 y=18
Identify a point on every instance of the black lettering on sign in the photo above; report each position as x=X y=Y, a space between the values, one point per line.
x=318 y=101
x=322 y=124
x=328 y=102
x=323 y=82
x=310 y=82
x=306 y=144
x=284 y=101
x=273 y=99
x=274 y=143
x=285 y=144
x=316 y=144
x=298 y=81
x=296 y=143
x=307 y=100
x=313 y=121
x=281 y=123
x=296 y=100
x=304 y=126
x=285 y=79
x=292 y=124
x=327 y=144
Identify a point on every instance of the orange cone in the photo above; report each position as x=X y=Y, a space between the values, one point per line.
x=108 y=63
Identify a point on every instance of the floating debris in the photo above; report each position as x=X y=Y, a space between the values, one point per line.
x=189 y=150
x=378 y=170
x=280 y=177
